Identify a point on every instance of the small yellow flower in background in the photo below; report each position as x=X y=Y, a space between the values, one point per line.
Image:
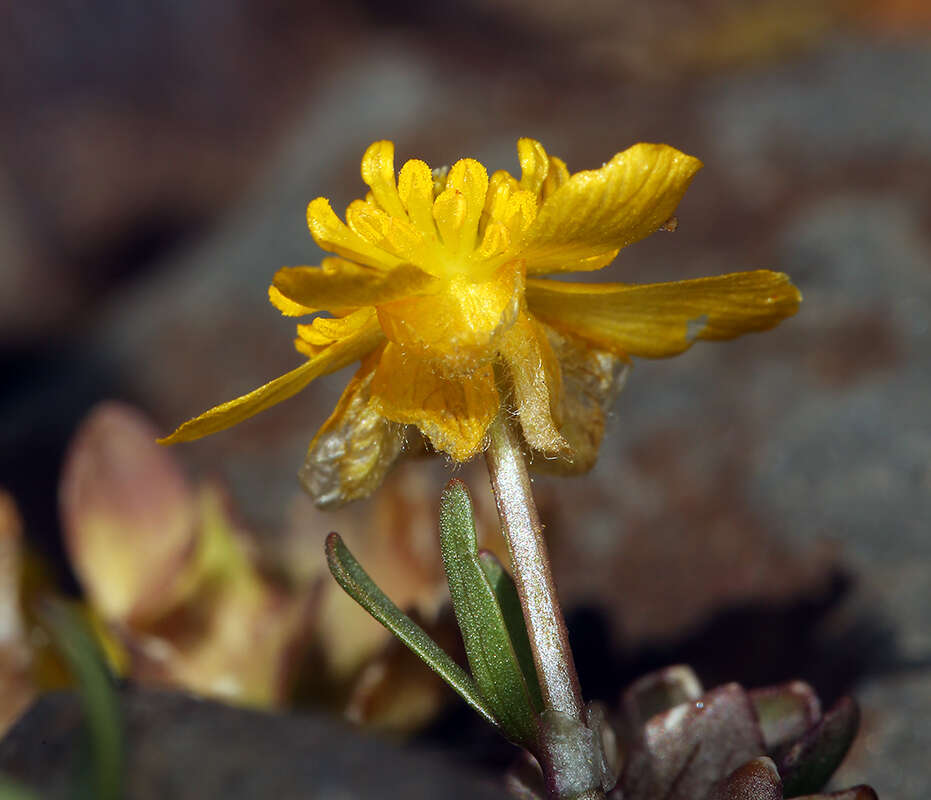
x=433 y=287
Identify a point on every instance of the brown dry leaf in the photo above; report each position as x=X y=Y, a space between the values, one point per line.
x=168 y=569
x=394 y=692
x=129 y=516
x=237 y=636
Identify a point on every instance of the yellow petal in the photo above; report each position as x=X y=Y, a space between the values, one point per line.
x=453 y=413
x=534 y=165
x=501 y=186
x=305 y=349
x=394 y=235
x=458 y=208
x=348 y=285
x=449 y=213
x=378 y=174
x=509 y=211
x=356 y=446
x=336 y=237
x=415 y=188
x=495 y=241
x=287 y=307
x=457 y=325
x=519 y=213
x=583 y=224
x=591 y=379
x=535 y=383
x=556 y=176
x=663 y=319
x=225 y=415
x=324 y=331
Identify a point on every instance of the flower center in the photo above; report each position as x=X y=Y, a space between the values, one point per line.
x=458 y=327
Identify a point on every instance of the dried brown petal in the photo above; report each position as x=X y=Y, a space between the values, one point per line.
x=591 y=380
x=354 y=449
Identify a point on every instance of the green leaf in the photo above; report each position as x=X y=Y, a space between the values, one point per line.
x=503 y=586
x=87 y=662
x=360 y=587
x=488 y=645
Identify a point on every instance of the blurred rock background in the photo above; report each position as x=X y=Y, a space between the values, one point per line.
x=761 y=508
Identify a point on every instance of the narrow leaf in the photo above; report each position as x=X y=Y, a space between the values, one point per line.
x=360 y=587
x=503 y=586
x=87 y=662
x=491 y=654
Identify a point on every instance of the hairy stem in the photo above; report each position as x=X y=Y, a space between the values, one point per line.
x=546 y=627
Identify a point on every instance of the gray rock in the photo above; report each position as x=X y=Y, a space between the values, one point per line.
x=849 y=100
x=184 y=748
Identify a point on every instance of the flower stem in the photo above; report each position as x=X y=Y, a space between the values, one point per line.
x=546 y=627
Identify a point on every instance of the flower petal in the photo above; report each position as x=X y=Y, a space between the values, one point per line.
x=324 y=331
x=287 y=307
x=591 y=380
x=509 y=212
x=663 y=319
x=583 y=224
x=356 y=446
x=501 y=185
x=415 y=188
x=334 y=236
x=536 y=384
x=343 y=284
x=378 y=173
x=393 y=235
x=556 y=176
x=541 y=173
x=453 y=413
x=458 y=208
x=534 y=164
x=225 y=415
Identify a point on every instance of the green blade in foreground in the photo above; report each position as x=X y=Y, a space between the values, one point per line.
x=494 y=663
x=102 y=716
x=503 y=586
x=356 y=582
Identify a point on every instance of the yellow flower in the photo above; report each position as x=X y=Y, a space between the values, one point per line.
x=434 y=287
